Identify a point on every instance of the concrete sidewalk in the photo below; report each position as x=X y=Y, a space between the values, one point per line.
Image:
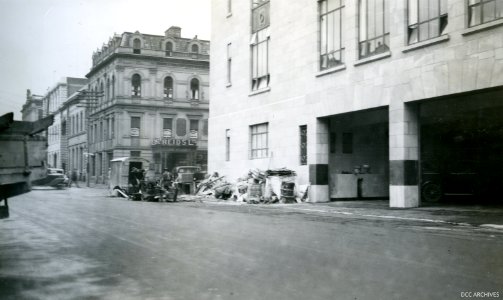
x=461 y=215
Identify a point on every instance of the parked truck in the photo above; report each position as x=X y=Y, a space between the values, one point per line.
x=22 y=156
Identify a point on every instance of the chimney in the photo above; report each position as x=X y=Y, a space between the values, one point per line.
x=174 y=31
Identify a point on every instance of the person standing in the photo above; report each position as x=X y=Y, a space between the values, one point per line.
x=74 y=178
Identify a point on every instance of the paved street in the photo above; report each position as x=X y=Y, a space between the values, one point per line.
x=80 y=244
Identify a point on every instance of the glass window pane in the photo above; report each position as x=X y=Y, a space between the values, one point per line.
x=443 y=7
x=379 y=18
x=337 y=30
x=371 y=16
x=423 y=31
x=434 y=28
x=499 y=9
x=330 y=30
x=413 y=11
x=489 y=12
x=323 y=34
x=363 y=20
x=423 y=10
x=434 y=8
x=475 y=16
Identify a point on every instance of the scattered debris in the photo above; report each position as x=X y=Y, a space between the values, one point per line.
x=257 y=186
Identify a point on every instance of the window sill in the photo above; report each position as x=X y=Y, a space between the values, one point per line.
x=264 y=90
x=426 y=43
x=330 y=71
x=372 y=58
x=482 y=27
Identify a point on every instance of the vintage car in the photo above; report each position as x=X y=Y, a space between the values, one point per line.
x=55 y=178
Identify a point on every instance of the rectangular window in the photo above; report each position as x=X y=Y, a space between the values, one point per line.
x=95 y=133
x=259 y=144
x=331 y=39
x=347 y=143
x=373 y=28
x=259 y=43
x=303 y=144
x=135 y=126
x=112 y=129
x=484 y=11
x=229 y=64
x=426 y=19
x=227 y=144
x=167 y=127
x=194 y=129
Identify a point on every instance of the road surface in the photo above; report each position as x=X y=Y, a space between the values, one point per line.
x=80 y=244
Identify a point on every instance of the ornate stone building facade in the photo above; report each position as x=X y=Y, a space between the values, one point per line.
x=149 y=99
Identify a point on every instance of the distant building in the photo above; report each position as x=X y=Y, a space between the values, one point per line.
x=152 y=104
x=73 y=112
x=57 y=133
x=33 y=107
x=363 y=99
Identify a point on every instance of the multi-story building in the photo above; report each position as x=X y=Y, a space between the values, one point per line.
x=152 y=101
x=361 y=98
x=33 y=107
x=57 y=133
x=74 y=114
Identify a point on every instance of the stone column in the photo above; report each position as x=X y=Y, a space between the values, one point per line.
x=317 y=153
x=404 y=155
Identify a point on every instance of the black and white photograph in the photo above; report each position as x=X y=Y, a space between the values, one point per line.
x=251 y=149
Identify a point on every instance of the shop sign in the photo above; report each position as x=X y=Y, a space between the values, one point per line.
x=174 y=142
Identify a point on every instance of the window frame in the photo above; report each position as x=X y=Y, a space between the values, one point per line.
x=167 y=127
x=257 y=152
x=168 y=91
x=303 y=145
x=136 y=89
x=195 y=92
x=135 y=118
x=441 y=15
x=385 y=36
x=481 y=4
x=325 y=31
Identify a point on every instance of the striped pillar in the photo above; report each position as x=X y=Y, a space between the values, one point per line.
x=404 y=154
x=317 y=153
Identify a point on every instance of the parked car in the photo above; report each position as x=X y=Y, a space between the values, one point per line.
x=55 y=178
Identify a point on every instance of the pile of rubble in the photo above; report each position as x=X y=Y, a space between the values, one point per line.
x=270 y=186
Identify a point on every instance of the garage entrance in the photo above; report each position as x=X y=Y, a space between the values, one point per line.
x=358 y=155
x=462 y=149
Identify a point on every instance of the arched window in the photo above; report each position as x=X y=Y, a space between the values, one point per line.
x=194 y=89
x=169 y=48
x=136 y=46
x=168 y=87
x=136 y=86
x=195 y=48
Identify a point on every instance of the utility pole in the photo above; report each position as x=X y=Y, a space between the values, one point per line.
x=89 y=100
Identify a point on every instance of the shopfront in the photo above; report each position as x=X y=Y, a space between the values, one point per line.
x=171 y=152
